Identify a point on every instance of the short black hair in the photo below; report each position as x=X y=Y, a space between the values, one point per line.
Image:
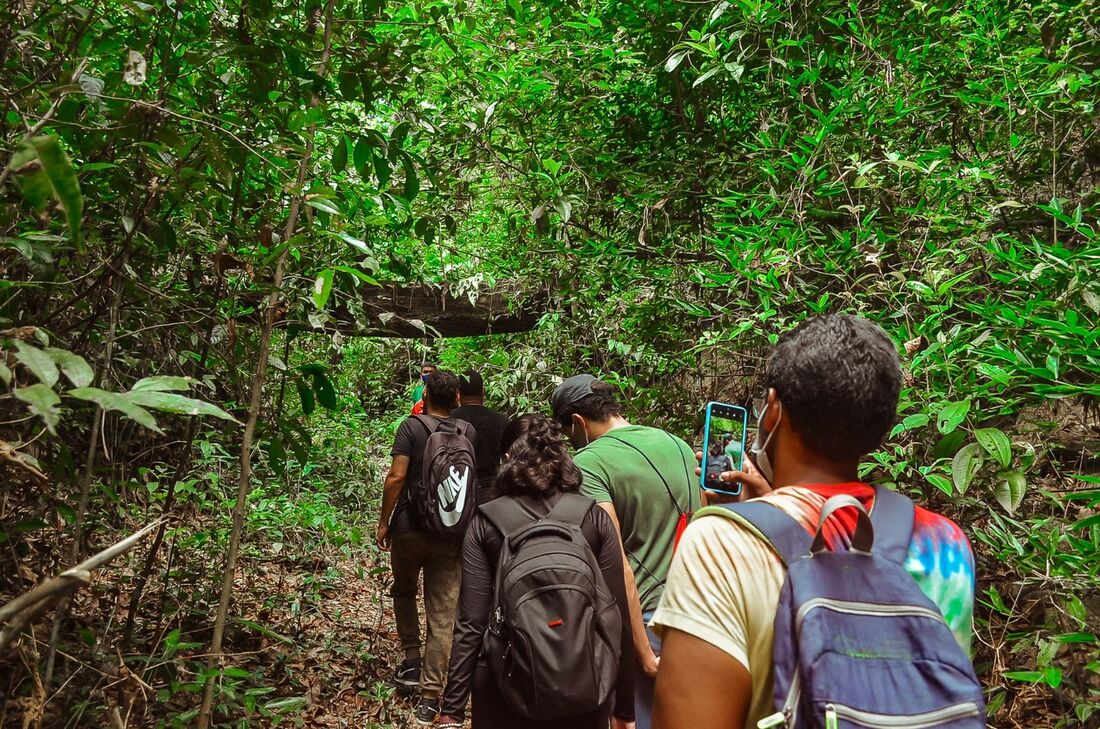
x=470 y=384
x=442 y=389
x=598 y=407
x=426 y=365
x=838 y=377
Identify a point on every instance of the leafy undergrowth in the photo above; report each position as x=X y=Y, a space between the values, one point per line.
x=312 y=645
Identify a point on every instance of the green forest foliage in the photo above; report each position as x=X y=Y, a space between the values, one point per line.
x=672 y=184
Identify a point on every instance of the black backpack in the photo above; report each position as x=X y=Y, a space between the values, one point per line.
x=444 y=498
x=554 y=632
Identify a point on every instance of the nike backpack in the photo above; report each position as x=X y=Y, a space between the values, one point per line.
x=858 y=645
x=444 y=498
x=554 y=634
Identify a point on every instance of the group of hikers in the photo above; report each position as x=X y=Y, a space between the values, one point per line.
x=577 y=573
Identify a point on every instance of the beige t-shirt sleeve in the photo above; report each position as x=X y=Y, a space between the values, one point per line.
x=723 y=588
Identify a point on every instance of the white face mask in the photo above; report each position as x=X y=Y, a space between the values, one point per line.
x=760 y=445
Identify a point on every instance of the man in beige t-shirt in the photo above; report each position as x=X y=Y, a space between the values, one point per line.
x=832 y=395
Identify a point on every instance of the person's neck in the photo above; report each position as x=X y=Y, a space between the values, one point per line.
x=595 y=430
x=807 y=469
x=432 y=410
x=473 y=401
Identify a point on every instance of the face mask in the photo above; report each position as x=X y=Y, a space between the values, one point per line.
x=424 y=379
x=759 y=447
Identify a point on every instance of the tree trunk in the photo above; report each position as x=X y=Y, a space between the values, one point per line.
x=256 y=401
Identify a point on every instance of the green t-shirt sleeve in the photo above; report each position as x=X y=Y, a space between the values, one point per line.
x=595 y=483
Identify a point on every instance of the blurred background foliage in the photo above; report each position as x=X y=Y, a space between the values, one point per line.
x=667 y=186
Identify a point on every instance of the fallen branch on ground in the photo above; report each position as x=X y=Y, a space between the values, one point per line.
x=21 y=611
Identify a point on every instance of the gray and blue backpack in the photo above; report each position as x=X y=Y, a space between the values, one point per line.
x=857 y=643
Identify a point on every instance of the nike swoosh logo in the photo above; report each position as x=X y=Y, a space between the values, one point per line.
x=452 y=496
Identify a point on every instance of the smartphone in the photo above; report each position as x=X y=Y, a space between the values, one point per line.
x=723 y=446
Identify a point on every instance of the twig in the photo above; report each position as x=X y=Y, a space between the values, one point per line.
x=94 y=562
x=8 y=454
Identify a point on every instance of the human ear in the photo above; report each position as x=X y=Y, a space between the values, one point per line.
x=774 y=412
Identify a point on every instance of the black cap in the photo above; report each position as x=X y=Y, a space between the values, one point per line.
x=570 y=392
x=470 y=384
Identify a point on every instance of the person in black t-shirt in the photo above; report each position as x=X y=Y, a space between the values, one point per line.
x=489 y=425
x=413 y=551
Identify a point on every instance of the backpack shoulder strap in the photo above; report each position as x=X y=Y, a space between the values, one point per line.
x=892 y=516
x=675 y=503
x=430 y=424
x=769 y=523
x=571 y=509
x=505 y=514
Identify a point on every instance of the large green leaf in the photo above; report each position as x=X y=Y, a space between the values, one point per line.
x=965 y=465
x=322 y=386
x=44 y=172
x=163 y=383
x=117 y=402
x=74 y=366
x=309 y=404
x=1011 y=487
x=43 y=401
x=40 y=363
x=996 y=443
x=169 y=402
x=322 y=287
x=412 y=181
x=340 y=155
x=952 y=415
x=940 y=482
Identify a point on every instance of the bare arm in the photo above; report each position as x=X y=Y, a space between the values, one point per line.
x=643 y=652
x=391 y=490
x=690 y=668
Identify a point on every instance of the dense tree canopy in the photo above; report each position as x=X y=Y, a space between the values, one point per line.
x=202 y=203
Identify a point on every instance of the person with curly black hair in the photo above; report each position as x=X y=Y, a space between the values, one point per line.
x=832 y=388
x=536 y=471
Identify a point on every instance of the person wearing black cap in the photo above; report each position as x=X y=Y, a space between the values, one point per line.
x=642 y=477
x=489 y=425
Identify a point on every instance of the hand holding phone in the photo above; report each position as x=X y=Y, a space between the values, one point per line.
x=723 y=446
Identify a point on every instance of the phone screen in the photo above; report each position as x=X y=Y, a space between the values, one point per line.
x=724 y=445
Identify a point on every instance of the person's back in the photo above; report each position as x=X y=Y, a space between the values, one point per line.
x=832 y=395
x=534 y=492
x=940 y=560
x=489 y=425
x=415 y=551
x=642 y=477
x=635 y=467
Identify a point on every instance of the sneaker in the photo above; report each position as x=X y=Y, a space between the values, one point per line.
x=426 y=711
x=408 y=673
x=444 y=721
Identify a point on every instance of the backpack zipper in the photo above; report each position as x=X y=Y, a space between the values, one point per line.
x=864 y=608
x=786 y=716
x=927 y=720
x=779 y=718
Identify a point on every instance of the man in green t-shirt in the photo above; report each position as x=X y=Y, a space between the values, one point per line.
x=642 y=477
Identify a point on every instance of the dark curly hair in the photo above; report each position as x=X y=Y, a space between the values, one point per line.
x=838 y=377
x=602 y=404
x=442 y=389
x=538 y=461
